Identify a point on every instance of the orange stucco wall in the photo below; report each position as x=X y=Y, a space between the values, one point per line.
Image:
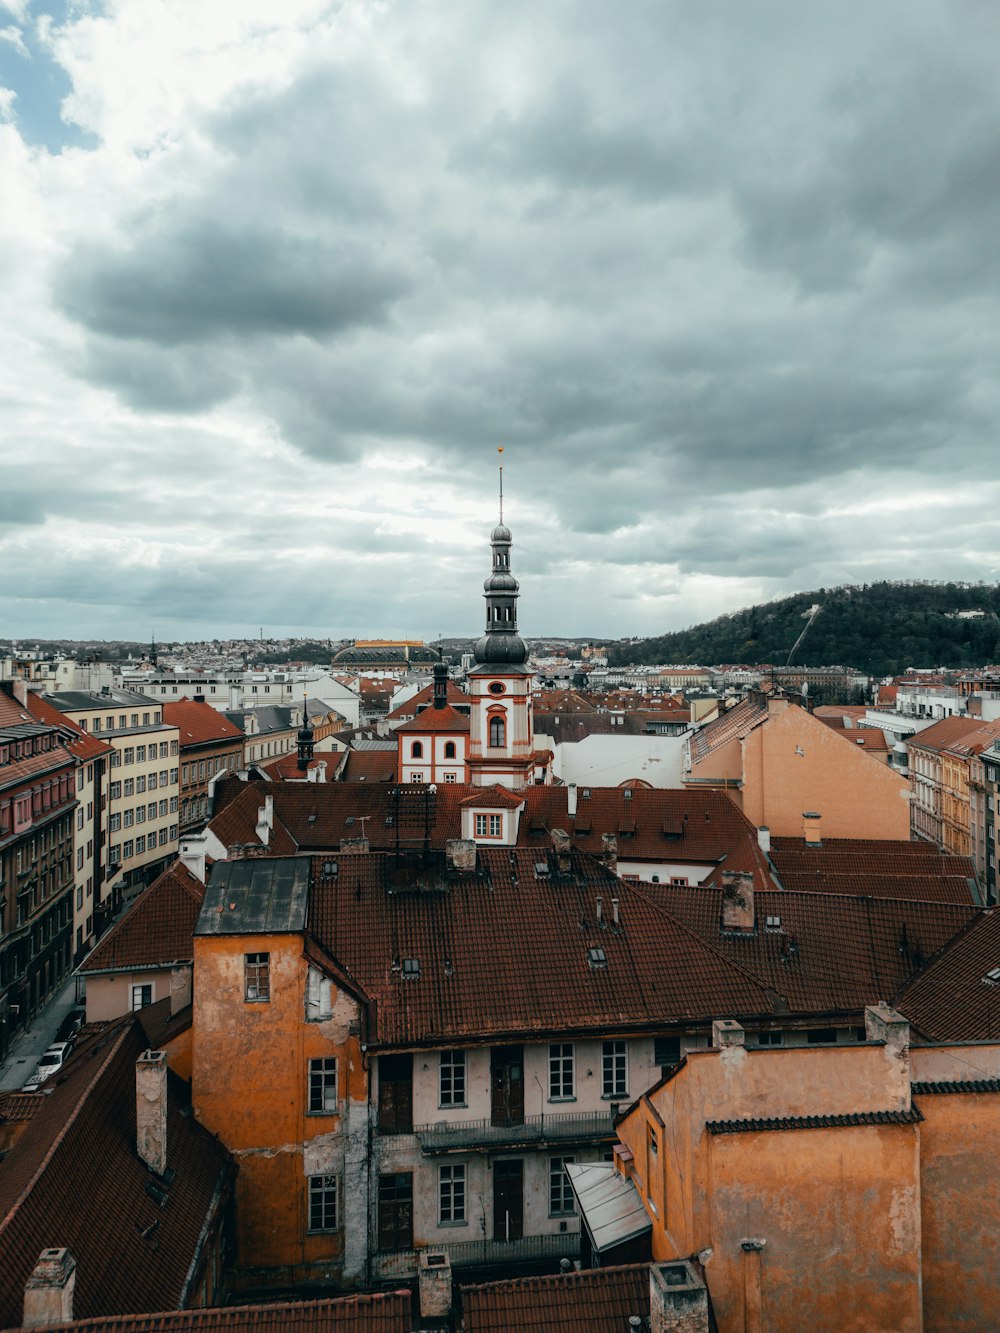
x=792 y=763
x=250 y=1086
x=839 y=1213
x=961 y=1211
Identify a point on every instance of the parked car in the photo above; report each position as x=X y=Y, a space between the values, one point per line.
x=53 y=1059
x=71 y=1024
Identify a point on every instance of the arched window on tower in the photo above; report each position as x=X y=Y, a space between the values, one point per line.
x=449 y=749
x=417 y=750
x=498 y=733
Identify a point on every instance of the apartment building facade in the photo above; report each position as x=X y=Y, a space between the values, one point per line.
x=143 y=781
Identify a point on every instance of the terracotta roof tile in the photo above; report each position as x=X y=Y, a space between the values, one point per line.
x=380 y=1312
x=157 y=929
x=940 y=735
x=491 y=797
x=505 y=948
x=737 y=722
x=850 y=1120
x=199 y=723
x=436 y=719
x=956 y=997
x=825 y=953
x=74 y=1179
x=594 y=1300
x=423 y=698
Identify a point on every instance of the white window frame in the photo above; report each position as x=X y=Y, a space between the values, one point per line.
x=614 y=1069
x=324 y=1204
x=562 y=1072
x=452 y=1194
x=322 y=1086
x=452 y=1074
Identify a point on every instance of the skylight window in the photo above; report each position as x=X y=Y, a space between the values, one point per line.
x=772 y=923
x=411 y=968
x=992 y=977
x=596 y=956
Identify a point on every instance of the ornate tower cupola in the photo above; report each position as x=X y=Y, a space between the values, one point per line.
x=501 y=744
x=305 y=739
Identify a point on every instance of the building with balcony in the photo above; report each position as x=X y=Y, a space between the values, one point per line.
x=143 y=781
x=38 y=805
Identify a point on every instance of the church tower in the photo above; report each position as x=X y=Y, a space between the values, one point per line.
x=501 y=742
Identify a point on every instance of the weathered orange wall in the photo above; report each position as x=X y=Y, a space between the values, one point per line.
x=961 y=1211
x=856 y=795
x=839 y=1210
x=249 y=1086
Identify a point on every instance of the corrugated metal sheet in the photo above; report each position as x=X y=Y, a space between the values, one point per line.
x=610 y=1205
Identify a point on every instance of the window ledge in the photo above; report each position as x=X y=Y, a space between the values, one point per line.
x=558 y=1100
x=615 y=1097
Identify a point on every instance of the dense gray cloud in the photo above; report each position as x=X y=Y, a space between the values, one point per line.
x=721 y=279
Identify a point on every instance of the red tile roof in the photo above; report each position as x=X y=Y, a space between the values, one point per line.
x=492 y=797
x=595 y=1300
x=953 y=998
x=157 y=930
x=379 y=1312
x=504 y=949
x=663 y=824
x=369 y=766
x=84 y=745
x=424 y=698
x=199 y=723
x=941 y=735
x=437 y=719
x=736 y=723
x=855 y=860
x=74 y=1179
x=829 y=953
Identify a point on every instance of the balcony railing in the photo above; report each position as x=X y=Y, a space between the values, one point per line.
x=483 y=1254
x=456 y=1135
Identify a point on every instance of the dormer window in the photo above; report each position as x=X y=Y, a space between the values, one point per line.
x=596 y=957
x=489 y=826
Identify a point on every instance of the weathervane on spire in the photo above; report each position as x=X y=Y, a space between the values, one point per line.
x=500 y=452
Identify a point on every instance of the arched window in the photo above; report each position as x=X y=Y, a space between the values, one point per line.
x=449 y=749
x=498 y=732
x=417 y=750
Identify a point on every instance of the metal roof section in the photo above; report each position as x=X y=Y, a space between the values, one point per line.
x=265 y=896
x=609 y=1205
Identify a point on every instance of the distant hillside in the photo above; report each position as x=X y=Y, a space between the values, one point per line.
x=879 y=627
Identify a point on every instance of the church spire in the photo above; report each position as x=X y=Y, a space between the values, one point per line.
x=305 y=737
x=501 y=644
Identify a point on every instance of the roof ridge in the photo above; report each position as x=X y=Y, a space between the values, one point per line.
x=69 y=1121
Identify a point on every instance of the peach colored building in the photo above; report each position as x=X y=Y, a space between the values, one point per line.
x=840 y=1188
x=777 y=761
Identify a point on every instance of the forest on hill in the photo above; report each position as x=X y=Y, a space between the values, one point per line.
x=880 y=628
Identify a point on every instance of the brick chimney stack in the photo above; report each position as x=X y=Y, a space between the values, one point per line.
x=48 y=1292
x=151 y=1109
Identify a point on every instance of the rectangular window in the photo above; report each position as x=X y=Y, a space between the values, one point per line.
x=821 y=1036
x=141 y=996
x=115 y=791
x=128 y=818
x=451 y=1196
x=129 y=756
x=395 y=1094
x=127 y=849
x=140 y=783
x=257 y=977
x=560 y=1071
x=614 y=1067
x=151 y=784
x=323 y=1085
x=140 y=814
x=163 y=836
x=322 y=1203
x=561 y=1201
x=163 y=808
x=452 y=1078
x=666 y=1052
x=140 y=754
x=770 y=1038
x=151 y=810
x=395 y=1211
x=496 y=826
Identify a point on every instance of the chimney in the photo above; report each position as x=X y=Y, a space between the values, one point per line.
x=678 y=1300
x=764 y=839
x=599 y=911
x=560 y=841
x=614 y=912
x=19 y=690
x=434 y=1284
x=609 y=851
x=571 y=801
x=48 y=1292
x=151 y=1109
x=727 y=1032
x=265 y=820
x=812 y=828
x=355 y=845
x=883 y=1023
x=194 y=853
x=737 y=900
x=461 y=853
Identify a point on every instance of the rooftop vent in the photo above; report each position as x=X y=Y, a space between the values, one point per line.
x=541 y=869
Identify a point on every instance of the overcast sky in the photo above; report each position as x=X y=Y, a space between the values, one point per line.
x=277 y=279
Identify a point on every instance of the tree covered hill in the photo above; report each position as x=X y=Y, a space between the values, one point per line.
x=881 y=628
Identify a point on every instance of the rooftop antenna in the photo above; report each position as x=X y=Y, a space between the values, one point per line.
x=500 y=452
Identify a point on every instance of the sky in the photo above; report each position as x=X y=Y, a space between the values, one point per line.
x=277 y=281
